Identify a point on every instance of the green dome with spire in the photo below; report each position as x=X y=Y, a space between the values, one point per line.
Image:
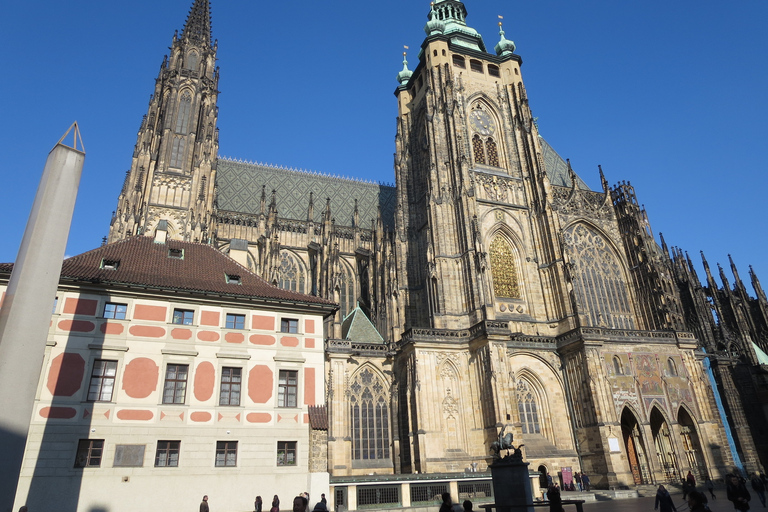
x=448 y=17
x=404 y=75
x=504 y=47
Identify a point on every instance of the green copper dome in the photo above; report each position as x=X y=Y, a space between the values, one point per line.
x=504 y=46
x=449 y=18
x=404 y=75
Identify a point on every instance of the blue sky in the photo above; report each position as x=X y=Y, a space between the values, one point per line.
x=668 y=95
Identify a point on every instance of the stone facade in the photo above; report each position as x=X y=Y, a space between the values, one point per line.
x=504 y=290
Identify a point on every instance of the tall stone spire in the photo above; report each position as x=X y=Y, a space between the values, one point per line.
x=173 y=172
x=197 y=29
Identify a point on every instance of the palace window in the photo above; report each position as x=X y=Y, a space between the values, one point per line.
x=167 y=454
x=183 y=316
x=528 y=408
x=286 y=453
x=369 y=416
x=229 y=391
x=89 y=453
x=503 y=269
x=288 y=388
x=114 y=310
x=226 y=454
x=289 y=325
x=235 y=321
x=102 y=381
x=175 y=388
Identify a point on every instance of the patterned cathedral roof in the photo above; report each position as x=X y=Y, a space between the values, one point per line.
x=557 y=168
x=239 y=185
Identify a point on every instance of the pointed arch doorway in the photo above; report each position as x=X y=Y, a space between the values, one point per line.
x=689 y=436
x=633 y=443
x=665 y=450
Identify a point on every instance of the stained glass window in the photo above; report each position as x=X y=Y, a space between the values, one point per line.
x=370 y=417
x=503 y=269
x=185 y=107
x=528 y=408
x=291 y=273
x=598 y=280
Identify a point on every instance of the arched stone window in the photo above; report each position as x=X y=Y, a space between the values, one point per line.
x=291 y=274
x=528 y=408
x=177 y=151
x=477 y=149
x=182 y=118
x=369 y=415
x=192 y=60
x=618 y=368
x=491 y=152
x=672 y=367
x=503 y=268
x=346 y=290
x=598 y=280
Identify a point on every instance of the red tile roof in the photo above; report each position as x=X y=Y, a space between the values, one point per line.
x=318 y=417
x=203 y=269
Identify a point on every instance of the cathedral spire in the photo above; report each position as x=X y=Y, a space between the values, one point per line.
x=197 y=29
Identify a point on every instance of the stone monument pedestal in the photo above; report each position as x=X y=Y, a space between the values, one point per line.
x=511 y=485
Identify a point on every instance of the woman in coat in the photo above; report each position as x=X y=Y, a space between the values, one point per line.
x=664 y=500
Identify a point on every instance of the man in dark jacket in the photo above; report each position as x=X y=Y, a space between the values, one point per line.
x=664 y=500
x=204 y=504
x=738 y=493
x=759 y=487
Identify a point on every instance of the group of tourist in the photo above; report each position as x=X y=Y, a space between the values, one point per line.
x=736 y=488
x=300 y=504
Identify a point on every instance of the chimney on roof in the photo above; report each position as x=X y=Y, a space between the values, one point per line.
x=238 y=251
x=161 y=233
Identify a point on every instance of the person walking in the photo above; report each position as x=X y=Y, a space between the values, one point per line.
x=447 y=505
x=697 y=502
x=555 y=500
x=664 y=500
x=577 y=477
x=204 y=504
x=738 y=493
x=257 y=504
x=275 y=504
x=710 y=487
x=759 y=487
x=585 y=481
x=691 y=480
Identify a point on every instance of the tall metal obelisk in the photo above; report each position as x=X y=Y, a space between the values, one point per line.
x=26 y=312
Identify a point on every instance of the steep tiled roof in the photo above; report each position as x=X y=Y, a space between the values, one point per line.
x=318 y=417
x=357 y=327
x=139 y=261
x=239 y=187
x=557 y=168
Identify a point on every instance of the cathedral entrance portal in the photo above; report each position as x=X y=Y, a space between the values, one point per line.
x=664 y=449
x=691 y=444
x=633 y=442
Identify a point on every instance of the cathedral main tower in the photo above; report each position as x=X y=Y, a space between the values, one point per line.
x=173 y=170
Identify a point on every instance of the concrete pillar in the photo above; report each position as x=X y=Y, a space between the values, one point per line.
x=405 y=494
x=453 y=489
x=352 y=498
x=26 y=312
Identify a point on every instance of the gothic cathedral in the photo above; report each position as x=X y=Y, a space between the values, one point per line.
x=489 y=287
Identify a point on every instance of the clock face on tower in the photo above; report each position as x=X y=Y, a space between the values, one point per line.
x=481 y=122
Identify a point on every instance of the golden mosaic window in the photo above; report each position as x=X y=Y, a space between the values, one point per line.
x=492 y=152
x=503 y=269
x=477 y=149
